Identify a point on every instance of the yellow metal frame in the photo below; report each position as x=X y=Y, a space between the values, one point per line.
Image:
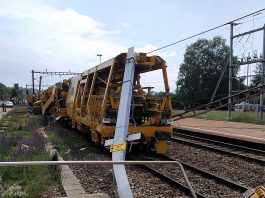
x=97 y=90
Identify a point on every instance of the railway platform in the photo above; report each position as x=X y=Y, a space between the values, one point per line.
x=241 y=131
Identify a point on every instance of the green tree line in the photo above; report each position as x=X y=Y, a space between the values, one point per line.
x=203 y=64
x=12 y=92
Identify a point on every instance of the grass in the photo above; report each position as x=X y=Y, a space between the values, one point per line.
x=21 y=142
x=243 y=117
x=64 y=139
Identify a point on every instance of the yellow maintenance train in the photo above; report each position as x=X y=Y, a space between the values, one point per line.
x=90 y=102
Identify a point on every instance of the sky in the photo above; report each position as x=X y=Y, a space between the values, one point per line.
x=60 y=35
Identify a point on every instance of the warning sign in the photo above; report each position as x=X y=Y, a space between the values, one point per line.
x=118 y=147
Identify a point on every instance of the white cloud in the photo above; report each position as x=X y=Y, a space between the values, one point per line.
x=125 y=24
x=146 y=48
x=68 y=20
x=38 y=36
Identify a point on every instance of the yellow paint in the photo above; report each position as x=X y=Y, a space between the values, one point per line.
x=118 y=147
x=259 y=192
x=162 y=147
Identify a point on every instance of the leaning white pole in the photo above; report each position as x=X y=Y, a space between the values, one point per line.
x=121 y=131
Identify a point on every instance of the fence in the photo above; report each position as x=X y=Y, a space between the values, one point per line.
x=46 y=163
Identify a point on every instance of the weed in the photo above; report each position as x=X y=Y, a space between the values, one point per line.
x=21 y=142
x=55 y=169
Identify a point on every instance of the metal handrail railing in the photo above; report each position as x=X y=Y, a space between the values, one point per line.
x=46 y=163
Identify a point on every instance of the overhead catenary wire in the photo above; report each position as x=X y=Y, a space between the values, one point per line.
x=243 y=46
x=203 y=32
x=239 y=41
x=248 y=74
x=256 y=19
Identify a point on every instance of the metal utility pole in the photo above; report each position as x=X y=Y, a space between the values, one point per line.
x=122 y=126
x=263 y=76
x=56 y=73
x=32 y=73
x=27 y=86
x=40 y=86
x=50 y=73
x=21 y=94
x=218 y=82
x=247 y=62
x=100 y=55
x=230 y=72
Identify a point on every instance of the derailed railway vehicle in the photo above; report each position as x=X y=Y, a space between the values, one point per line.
x=51 y=102
x=92 y=101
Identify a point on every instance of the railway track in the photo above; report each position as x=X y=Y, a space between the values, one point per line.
x=243 y=152
x=205 y=183
x=192 y=172
x=170 y=180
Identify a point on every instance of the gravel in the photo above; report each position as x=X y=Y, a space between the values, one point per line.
x=99 y=179
x=53 y=191
x=233 y=168
x=201 y=184
x=144 y=184
x=94 y=178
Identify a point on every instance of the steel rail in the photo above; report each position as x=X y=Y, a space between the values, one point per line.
x=171 y=180
x=225 y=181
x=220 y=142
x=168 y=179
x=190 y=142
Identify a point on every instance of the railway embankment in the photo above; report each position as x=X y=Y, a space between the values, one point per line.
x=19 y=141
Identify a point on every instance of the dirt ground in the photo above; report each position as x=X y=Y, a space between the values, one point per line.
x=3 y=113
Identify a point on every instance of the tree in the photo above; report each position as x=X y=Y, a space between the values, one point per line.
x=13 y=93
x=203 y=63
x=3 y=91
x=256 y=80
x=175 y=99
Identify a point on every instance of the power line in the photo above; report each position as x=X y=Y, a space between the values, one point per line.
x=56 y=73
x=243 y=45
x=256 y=19
x=209 y=30
x=239 y=41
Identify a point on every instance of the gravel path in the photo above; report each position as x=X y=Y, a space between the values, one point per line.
x=238 y=170
x=144 y=184
x=94 y=178
x=99 y=179
x=201 y=184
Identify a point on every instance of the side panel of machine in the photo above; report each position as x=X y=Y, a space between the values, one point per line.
x=72 y=95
